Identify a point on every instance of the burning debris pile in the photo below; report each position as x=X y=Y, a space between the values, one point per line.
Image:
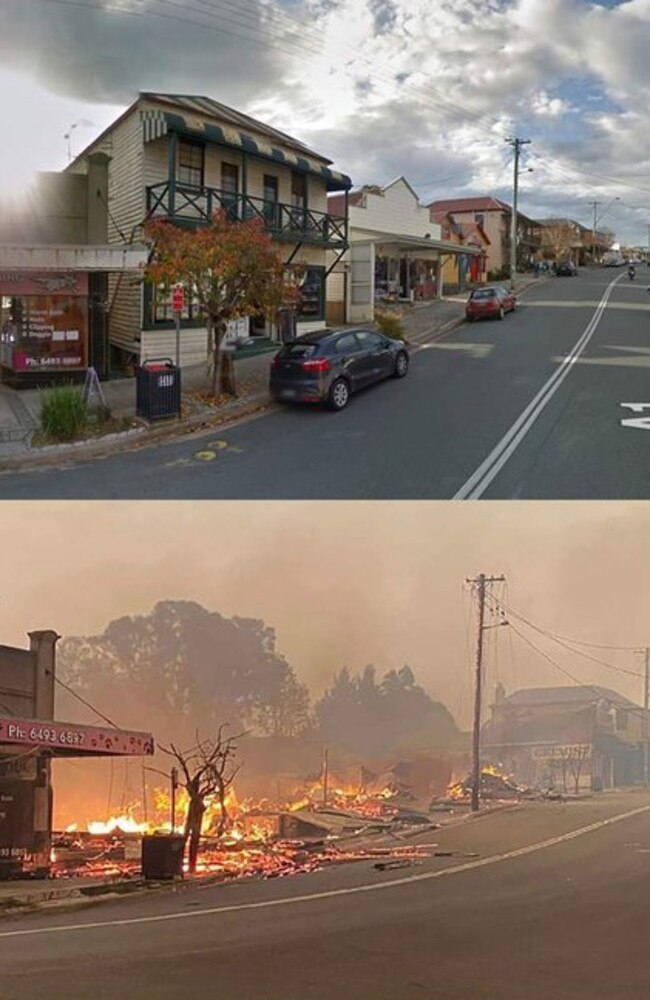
x=256 y=839
x=495 y=786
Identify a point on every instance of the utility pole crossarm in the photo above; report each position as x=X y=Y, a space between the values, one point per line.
x=480 y=583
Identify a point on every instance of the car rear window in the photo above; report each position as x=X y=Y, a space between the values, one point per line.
x=483 y=293
x=298 y=350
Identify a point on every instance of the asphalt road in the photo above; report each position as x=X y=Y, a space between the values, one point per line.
x=555 y=908
x=530 y=407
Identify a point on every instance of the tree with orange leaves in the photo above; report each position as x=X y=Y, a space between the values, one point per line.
x=232 y=269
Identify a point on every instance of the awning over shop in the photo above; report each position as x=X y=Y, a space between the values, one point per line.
x=115 y=258
x=391 y=242
x=157 y=123
x=70 y=739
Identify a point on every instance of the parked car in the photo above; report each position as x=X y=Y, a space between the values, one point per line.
x=493 y=301
x=327 y=366
x=566 y=269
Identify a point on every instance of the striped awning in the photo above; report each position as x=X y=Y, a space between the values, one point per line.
x=156 y=123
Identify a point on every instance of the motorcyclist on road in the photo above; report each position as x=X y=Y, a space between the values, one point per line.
x=631 y=272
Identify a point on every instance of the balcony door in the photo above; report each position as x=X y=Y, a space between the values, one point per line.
x=298 y=200
x=230 y=190
x=271 y=210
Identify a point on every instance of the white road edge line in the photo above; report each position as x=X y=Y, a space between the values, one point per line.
x=332 y=893
x=479 y=481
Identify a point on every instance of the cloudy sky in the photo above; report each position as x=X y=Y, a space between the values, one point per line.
x=350 y=584
x=428 y=88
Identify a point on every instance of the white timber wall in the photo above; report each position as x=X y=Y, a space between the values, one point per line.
x=127 y=202
x=396 y=210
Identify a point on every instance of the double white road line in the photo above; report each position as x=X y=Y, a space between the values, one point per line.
x=478 y=483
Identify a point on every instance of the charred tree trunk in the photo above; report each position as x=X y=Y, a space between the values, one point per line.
x=193 y=823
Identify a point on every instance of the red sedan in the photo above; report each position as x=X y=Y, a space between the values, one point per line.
x=494 y=301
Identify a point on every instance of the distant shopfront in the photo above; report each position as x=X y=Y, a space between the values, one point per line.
x=43 y=321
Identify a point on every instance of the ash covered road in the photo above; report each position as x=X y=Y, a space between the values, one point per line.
x=554 y=908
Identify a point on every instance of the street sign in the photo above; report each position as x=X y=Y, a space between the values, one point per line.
x=178 y=298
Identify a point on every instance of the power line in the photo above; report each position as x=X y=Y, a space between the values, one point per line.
x=567 y=673
x=218 y=15
x=216 y=25
x=563 y=641
x=86 y=703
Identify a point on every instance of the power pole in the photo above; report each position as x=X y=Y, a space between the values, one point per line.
x=326 y=776
x=174 y=786
x=593 y=232
x=481 y=583
x=516 y=145
x=646 y=705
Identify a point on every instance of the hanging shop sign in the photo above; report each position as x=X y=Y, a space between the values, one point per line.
x=567 y=751
x=71 y=739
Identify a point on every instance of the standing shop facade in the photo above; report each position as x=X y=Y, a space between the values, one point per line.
x=30 y=739
x=56 y=264
x=396 y=251
x=55 y=309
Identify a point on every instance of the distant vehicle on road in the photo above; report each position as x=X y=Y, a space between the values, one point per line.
x=327 y=366
x=566 y=269
x=493 y=302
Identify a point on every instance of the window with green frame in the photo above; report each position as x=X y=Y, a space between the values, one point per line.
x=311 y=304
x=158 y=312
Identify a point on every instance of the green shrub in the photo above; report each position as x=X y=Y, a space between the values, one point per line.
x=63 y=413
x=391 y=324
x=501 y=275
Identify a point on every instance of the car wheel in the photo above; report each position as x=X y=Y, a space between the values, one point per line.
x=470 y=319
x=401 y=365
x=500 y=313
x=339 y=394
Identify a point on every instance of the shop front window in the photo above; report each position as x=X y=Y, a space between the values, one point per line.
x=311 y=305
x=43 y=332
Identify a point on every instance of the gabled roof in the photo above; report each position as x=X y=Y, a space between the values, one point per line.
x=200 y=105
x=210 y=121
x=482 y=204
x=356 y=198
x=555 y=695
x=402 y=180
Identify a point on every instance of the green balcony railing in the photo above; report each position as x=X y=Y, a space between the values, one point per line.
x=185 y=203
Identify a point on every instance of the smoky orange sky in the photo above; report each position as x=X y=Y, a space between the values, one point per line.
x=347 y=583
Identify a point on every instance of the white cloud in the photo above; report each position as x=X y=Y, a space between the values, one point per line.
x=386 y=86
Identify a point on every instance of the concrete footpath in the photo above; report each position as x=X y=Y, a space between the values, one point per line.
x=19 y=409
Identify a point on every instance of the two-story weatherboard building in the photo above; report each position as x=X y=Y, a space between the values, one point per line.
x=182 y=158
x=572 y=738
x=493 y=216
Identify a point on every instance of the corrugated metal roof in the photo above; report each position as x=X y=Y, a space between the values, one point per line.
x=197 y=104
x=203 y=118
